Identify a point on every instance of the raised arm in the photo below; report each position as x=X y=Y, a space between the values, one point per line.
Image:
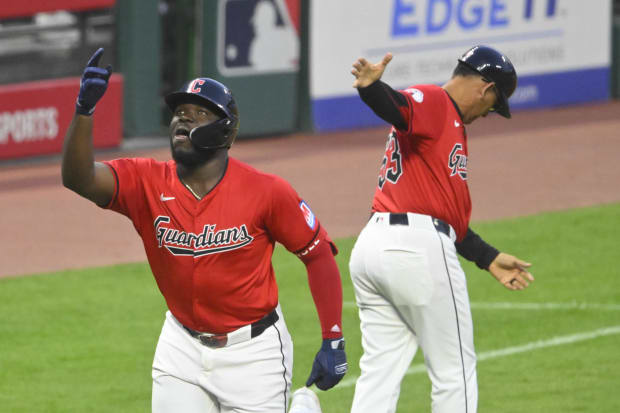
x=80 y=173
x=386 y=102
x=367 y=73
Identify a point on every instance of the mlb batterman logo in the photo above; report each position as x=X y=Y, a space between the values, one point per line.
x=308 y=215
x=417 y=94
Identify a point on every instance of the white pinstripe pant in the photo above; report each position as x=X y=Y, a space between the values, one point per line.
x=411 y=291
x=251 y=376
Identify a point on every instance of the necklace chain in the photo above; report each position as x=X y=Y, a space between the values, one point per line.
x=192 y=191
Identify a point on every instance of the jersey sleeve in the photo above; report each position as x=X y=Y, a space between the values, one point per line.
x=291 y=222
x=426 y=111
x=387 y=103
x=129 y=189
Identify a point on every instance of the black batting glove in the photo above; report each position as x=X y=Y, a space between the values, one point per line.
x=330 y=364
x=93 y=84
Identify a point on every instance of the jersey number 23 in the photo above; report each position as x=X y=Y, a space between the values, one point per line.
x=391 y=166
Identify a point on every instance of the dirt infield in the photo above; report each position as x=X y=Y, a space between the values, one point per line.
x=538 y=161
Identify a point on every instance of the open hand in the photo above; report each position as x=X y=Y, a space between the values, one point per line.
x=367 y=73
x=511 y=272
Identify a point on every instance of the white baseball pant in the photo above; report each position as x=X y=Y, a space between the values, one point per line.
x=248 y=376
x=411 y=291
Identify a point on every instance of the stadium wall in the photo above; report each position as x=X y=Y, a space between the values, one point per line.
x=557 y=60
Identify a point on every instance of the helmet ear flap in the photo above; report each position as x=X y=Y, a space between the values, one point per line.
x=215 y=135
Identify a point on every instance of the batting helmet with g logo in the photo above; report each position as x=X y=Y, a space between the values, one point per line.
x=217 y=98
x=493 y=67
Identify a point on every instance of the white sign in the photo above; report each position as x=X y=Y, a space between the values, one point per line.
x=541 y=37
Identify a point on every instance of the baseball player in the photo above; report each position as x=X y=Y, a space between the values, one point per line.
x=209 y=224
x=409 y=286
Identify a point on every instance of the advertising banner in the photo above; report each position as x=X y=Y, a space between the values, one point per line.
x=34 y=116
x=560 y=49
x=14 y=8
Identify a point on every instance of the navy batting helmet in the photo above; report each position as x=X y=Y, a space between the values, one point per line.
x=493 y=67
x=219 y=99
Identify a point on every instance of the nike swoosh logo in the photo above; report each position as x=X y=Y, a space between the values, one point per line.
x=457 y=124
x=165 y=198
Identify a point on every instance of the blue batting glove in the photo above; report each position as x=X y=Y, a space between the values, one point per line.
x=93 y=84
x=330 y=364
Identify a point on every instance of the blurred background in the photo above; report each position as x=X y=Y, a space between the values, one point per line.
x=287 y=61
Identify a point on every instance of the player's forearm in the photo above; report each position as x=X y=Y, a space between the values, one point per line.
x=473 y=248
x=326 y=289
x=78 y=169
x=385 y=102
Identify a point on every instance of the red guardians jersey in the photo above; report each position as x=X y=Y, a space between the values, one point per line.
x=424 y=169
x=211 y=258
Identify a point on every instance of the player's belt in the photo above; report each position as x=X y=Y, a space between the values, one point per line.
x=241 y=334
x=402 y=218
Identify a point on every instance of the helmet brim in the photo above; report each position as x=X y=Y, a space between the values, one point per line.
x=177 y=98
x=502 y=107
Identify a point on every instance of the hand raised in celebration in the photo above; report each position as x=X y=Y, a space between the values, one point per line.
x=367 y=73
x=93 y=84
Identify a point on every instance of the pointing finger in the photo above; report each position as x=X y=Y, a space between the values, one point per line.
x=94 y=60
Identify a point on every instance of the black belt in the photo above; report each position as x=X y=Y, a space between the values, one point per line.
x=221 y=340
x=403 y=219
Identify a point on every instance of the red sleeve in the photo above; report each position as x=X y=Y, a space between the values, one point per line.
x=326 y=287
x=129 y=191
x=292 y=223
x=426 y=108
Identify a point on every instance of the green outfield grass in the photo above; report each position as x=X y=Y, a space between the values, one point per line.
x=83 y=341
